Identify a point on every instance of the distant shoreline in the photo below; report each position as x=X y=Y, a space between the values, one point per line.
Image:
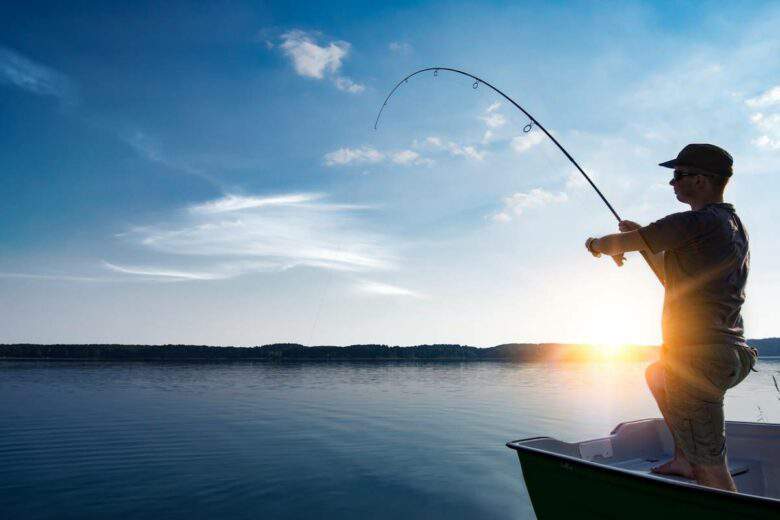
x=517 y=352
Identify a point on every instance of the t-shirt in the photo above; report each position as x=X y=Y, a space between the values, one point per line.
x=706 y=268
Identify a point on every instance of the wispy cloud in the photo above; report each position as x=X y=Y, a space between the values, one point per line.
x=156 y=272
x=315 y=61
x=151 y=149
x=238 y=234
x=402 y=48
x=523 y=143
x=575 y=180
x=383 y=289
x=455 y=149
x=405 y=157
x=230 y=203
x=344 y=156
x=770 y=128
x=26 y=74
x=768 y=98
x=465 y=151
x=494 y=120
x=516 y=204
x=53 y=277
x=347 y=85
x=369 y=155
x=768 y=123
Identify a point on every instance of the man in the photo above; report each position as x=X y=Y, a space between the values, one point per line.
x=702 y=257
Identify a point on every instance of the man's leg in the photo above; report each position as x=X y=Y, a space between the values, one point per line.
x=656 y=382
x=711 y=469
x=716 y=476
x=696 y=383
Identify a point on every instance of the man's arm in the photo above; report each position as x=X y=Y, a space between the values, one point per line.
x=619 y=243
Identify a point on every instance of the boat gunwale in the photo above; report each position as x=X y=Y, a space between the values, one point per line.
x=648 y=476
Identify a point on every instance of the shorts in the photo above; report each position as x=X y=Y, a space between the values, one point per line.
x=696 y=380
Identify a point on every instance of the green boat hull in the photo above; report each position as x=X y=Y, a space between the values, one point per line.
x=563 y=487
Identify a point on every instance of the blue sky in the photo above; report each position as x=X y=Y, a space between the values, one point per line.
x=210 y=175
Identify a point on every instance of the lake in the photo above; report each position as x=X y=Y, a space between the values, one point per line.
x=304 y=440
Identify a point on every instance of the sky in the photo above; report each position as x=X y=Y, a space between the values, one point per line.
x=210 y=174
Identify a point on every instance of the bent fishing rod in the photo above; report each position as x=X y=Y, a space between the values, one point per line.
x=527 y=128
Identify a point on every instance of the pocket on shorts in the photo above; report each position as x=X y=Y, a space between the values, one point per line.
x=722 y=366
x=747 y=359
x=707 y=434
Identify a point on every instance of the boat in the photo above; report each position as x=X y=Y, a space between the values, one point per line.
x=610 y=477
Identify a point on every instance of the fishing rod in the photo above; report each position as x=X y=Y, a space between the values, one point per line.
x=527 y=128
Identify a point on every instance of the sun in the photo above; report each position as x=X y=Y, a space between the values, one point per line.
x=610 y=350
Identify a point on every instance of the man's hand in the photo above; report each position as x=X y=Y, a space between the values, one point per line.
x=592 y=245
x=626 y=225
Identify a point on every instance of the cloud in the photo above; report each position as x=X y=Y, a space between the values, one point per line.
x=768 y=98
x=314 y=61
x=455 y=149
x=235 y=234
x=494 y=120
x=769 y=126
x=386 y=289
x=236 y=202
x=402 y=48
x=466 y=151
x=152 y=150
x=56 y=277
x=516 y=204
x=369 y=155
x=156 y=272
x=405 y=157
x=575 y=180
x=523 y=143
x=147 y=147
x=344 y=156
x=767 y=143
x=348 y=85
x=33 y=77
x=309 y=59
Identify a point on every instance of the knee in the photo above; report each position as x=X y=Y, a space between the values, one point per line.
x=654 y=375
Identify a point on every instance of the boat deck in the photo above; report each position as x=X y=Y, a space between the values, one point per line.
x=753 y=452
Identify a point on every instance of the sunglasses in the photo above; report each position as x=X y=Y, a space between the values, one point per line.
x=679 y=174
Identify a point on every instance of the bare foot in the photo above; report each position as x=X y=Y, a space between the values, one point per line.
x=676 y=466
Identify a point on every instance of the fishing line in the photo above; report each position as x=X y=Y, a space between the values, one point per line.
x=527 y=128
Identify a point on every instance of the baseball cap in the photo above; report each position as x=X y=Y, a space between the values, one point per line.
x=707 y=157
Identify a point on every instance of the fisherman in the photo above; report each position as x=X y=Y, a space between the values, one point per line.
x=702 y=258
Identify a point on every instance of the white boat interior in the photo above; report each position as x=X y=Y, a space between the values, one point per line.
x=753 y=452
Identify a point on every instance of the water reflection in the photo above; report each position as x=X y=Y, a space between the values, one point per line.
x=346 y=440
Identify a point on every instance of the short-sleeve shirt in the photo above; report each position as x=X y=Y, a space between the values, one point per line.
x=706 y=264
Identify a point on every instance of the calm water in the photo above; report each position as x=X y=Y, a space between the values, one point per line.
x=356 y=440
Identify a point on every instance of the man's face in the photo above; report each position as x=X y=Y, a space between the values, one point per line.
x=685 y=185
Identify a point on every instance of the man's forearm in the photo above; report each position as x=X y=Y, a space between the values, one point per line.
x=615 y=244
x=619 y=243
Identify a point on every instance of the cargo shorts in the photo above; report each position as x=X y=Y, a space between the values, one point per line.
x=696 y=380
